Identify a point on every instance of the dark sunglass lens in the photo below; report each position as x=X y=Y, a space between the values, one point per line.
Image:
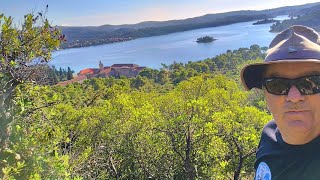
x=309 y=85
x=305 y=86
x=277 y=86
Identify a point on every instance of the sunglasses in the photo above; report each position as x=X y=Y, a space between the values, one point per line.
x=307 y=85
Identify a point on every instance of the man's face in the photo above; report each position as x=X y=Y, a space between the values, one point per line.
x=297 y=116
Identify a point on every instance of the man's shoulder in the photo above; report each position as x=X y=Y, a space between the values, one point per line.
x=269 y=131
x=269 y=144
x=268 y=139
x=280 y=160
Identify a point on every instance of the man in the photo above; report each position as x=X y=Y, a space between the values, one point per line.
x=289 y=147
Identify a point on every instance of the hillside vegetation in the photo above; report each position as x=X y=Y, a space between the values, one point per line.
x=310 y=17
x=185 y=121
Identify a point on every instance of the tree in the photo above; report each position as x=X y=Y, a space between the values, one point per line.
x=149 y=73
x=138 y=82
x=203 y=127
x=24 y=50
x=163 y=77
x=210 y=128
x=24 y=53
x=69 y=74
x=53 y=77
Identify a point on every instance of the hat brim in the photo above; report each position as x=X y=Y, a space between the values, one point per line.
x=252 y=74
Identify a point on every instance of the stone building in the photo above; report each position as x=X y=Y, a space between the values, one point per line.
x=116 y=70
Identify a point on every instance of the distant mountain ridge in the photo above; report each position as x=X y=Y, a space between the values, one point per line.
x=309 y=17
x=95 y=35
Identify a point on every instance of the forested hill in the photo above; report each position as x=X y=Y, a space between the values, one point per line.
x=94 y=35
x=184 y=121
x=310 y=17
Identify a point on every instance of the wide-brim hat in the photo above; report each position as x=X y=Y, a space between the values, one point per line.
x=293 y=45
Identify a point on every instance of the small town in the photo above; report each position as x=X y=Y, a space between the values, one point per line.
x=116 y=70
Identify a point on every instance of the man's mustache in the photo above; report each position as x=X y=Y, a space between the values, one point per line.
x=296 y=106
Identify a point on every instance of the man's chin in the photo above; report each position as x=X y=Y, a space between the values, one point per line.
x=297 y=131
x=299 y=125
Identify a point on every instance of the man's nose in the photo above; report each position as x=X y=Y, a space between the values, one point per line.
x=294 y=95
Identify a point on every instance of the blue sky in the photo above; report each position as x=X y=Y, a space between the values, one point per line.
x=99 y=12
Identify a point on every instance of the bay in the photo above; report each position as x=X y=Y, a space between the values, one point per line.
x=178 y=47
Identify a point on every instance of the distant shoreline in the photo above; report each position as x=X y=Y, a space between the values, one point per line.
x=106 y=34
x=153 y=31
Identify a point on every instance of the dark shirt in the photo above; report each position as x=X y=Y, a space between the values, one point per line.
x=284 y=161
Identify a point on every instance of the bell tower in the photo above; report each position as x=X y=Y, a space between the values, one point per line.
x=100 y=66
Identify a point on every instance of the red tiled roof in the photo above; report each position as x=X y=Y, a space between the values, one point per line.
x=79 y=78
x=106 y=70
x=88 y=71
x=76 y=79
x=95 y=72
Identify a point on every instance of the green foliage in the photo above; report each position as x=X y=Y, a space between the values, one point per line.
x=228 y=64
x=24 y=52
x=185 y=121
x=55 y=76
x=310 y=19
x=104 y=129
